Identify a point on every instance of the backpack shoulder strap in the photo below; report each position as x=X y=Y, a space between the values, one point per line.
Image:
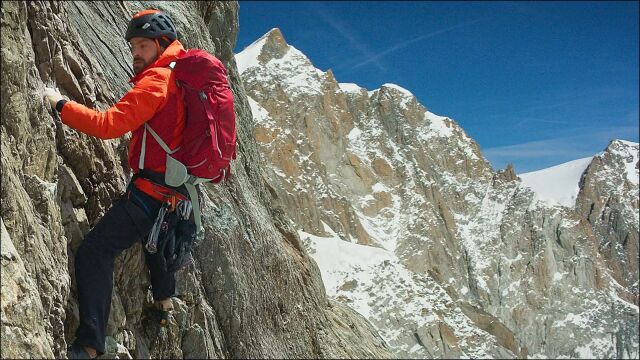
x=161 y=142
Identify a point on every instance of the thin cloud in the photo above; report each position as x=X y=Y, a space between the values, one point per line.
x=406 y=43
x=560 y=147
x=558 y=150
x=346 y=32
x=539 y=120
x=549 y=102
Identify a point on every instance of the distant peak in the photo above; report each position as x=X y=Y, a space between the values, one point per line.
x=271 y=45
x=275 y=35
x=275 y=46
x=399 y=88
x=623 y=142
x=620 y=146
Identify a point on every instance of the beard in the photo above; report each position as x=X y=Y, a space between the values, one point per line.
x=138 y=65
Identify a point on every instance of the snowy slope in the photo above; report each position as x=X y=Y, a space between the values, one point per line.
x=350 y=87
x=398 y=302
x=249 y=56
x=557 y=185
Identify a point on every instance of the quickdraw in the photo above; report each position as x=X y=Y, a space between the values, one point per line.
x=171 y=201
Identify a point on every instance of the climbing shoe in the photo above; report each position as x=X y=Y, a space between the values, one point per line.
x=164 y=317
x=163 y=312
x=78 y=352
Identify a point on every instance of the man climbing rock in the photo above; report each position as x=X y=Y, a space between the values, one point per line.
x=154 y=100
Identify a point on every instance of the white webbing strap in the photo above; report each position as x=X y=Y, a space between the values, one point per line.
x=193 y=195
x=162 y=144
x=143 y=149
x=155 y=135
x=189 y=184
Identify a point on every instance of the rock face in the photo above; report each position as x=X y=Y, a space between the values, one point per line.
x=444 y=255
x=608 y=199
x=253 y=292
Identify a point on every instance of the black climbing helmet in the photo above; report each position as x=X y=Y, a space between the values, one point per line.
x=153 y=24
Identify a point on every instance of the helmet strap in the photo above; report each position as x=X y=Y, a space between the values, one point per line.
x=164 y=41
x=158 y=49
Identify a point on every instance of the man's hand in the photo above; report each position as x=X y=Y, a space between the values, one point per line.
x=52 y=95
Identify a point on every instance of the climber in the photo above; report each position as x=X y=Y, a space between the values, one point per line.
x=152 y=38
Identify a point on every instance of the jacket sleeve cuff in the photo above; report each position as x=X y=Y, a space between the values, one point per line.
x=60 y=105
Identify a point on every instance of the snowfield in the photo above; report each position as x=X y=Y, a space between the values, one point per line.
x=557 y=185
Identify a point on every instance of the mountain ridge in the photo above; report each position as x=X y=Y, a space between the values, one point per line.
x=375 y=168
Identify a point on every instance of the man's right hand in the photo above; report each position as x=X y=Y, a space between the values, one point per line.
x=52 y=95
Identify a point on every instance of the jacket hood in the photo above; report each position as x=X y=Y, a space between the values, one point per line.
x=170 y=54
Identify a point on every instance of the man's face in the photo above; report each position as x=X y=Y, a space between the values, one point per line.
x=143 y=52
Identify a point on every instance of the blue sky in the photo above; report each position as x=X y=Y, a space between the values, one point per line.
x=534 y=83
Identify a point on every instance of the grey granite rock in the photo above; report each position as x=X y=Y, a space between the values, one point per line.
x=253 y=292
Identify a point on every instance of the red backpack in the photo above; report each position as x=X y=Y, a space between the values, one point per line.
x=209 y=137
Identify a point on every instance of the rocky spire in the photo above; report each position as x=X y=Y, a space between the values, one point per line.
x=275 y=47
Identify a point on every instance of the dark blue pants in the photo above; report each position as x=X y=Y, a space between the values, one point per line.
x=129 y=220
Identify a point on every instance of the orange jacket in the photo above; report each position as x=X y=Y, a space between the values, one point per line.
x=154 y=99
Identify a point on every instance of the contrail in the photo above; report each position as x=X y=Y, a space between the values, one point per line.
x=408 y=42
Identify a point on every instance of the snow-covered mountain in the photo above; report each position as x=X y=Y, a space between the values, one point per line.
x=557 y=185
x=411 y=226
x=560 y=184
